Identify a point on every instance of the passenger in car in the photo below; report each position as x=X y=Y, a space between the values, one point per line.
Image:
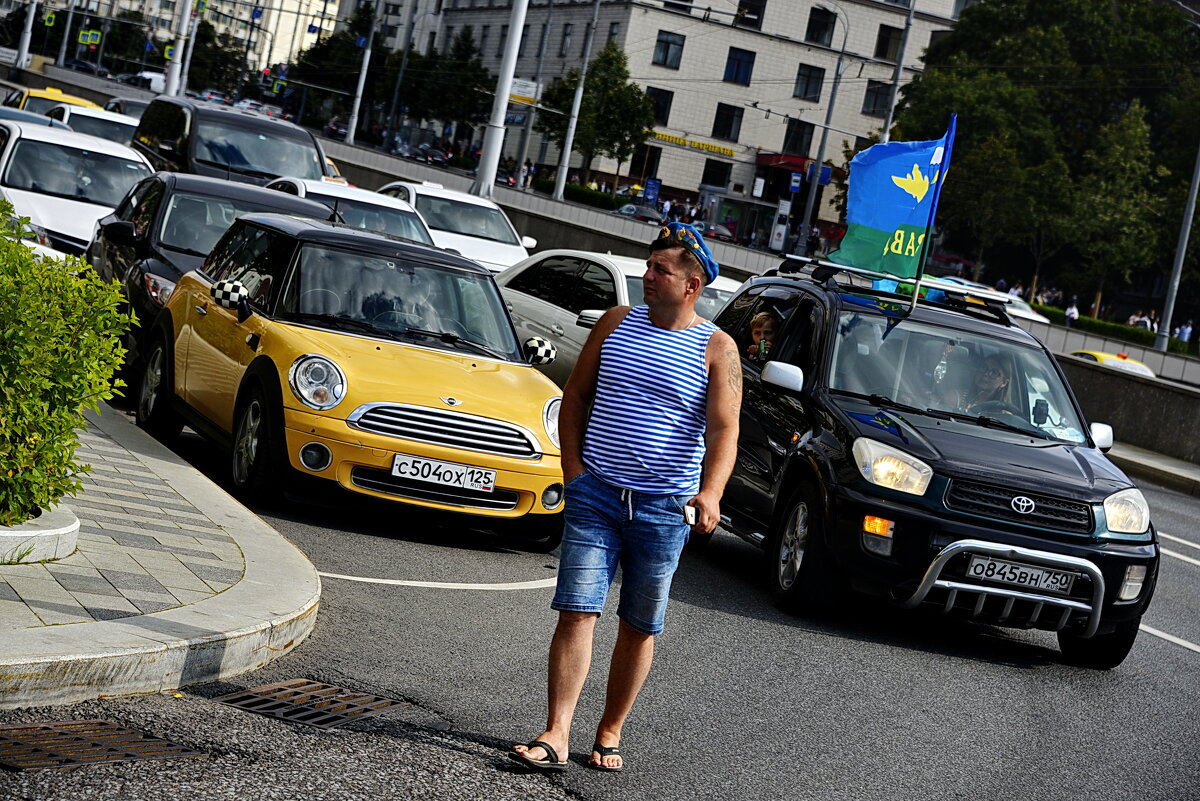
x=762 y=334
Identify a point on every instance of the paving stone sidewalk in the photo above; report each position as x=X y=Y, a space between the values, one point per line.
x=142 y=548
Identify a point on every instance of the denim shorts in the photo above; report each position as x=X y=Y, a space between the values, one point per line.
x=607 y=526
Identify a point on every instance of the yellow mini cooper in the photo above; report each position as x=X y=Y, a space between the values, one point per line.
x=389 y=367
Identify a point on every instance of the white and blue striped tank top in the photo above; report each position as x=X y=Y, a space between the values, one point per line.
x=646 y=430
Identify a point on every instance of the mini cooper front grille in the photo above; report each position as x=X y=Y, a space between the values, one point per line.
x=371 y=478
x=442 y=427
x=998 y=502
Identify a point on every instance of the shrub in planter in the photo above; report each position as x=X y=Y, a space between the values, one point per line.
x=60 y=344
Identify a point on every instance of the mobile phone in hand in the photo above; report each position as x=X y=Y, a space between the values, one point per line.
x=689 y=514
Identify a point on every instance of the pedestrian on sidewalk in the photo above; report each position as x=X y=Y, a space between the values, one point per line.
x=1072 y=315
x=635 y=463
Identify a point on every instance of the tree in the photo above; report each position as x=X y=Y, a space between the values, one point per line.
x=216 y=60
x=462 y=86
x=1040 y=83
x=614 y=115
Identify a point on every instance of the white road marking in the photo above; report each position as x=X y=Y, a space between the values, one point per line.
x=1180 y=556
x=1170 y=638
x=1180 y=540
x=448 y=585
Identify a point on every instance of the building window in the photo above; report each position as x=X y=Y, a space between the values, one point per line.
x=387 y=31
x=645 y=162
x=503 y=41
x=937 y=36
x=875 y=103
x=449 y=36
x=668 y=50
x=661 y=98
x=798 y=139
x=431 y=43
x=686 y=8
x=727 y=123
x=524 y=38
x=542 y=40
x=614 y=31
x=392 y=9
x=750 y=14
x=887 y=43
x=484 y=30
x=820 y=26
x=716 y=173
x=565 y=44
x=808 y=82
x=739 y=66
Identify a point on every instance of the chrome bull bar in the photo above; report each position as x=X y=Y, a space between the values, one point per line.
x=933 y=579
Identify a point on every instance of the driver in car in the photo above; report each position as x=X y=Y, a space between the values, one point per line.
x=990 y=385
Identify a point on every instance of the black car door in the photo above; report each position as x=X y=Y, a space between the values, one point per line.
x=773 y=421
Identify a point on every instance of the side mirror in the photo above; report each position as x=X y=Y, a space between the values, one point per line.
x=1102 y=435
x=232 y=295
x=168 y=147
x=784 y=376
x=539 y=351
x=121 y=232
x=589 y=317
x=528 y=242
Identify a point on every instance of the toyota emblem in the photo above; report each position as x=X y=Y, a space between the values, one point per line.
x=1022 y=505
x=456 y=402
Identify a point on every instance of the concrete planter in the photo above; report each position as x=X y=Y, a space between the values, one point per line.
x=51 y=535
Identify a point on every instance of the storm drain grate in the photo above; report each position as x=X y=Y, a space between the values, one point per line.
x=309 y=702
x=74 y=743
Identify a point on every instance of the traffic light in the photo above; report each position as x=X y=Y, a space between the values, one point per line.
x=265 y=80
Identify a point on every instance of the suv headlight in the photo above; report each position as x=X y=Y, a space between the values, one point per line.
x=550 y=419
x=1127 y=512
x=890 y=467
x=317 y=381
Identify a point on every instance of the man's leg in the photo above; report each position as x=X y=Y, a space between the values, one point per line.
x=570 y=659
x=631 y=661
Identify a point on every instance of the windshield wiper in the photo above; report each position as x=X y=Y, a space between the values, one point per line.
x=339 y=322
x=891 y=403
x=239 y=170
x=995 y=422
x=454 y=339
x=181 y=249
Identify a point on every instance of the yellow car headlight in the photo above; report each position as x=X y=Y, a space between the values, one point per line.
x=1127 y=512
x=550 y=419
x=317 y=381
x=890 y=467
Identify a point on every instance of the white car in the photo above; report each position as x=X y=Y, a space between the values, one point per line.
x=108 y=125
x=472 y=226
x=360 y=208
x=64 y=181
x=560 y=294
x=1016 y=306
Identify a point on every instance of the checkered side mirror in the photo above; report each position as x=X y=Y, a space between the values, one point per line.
x=540 y=351
x=229 y=294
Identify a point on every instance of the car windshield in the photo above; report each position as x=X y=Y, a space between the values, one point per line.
x=193 y=223
x=375 y=217
x=71 y=172
x=112 y=130
x=707 y=305
x=950 y=371
x=462 y=310
x=252 y=151
x=468 y=219
x=40 y=105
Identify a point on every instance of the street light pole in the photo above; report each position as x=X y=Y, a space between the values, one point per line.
x=531 y=113
x=62 y=46
x=814 y=181
x=895 y=90
x=181 y=36
x=26 y=35
x=352 y=123
x=408 y=43
x=493 y=138
x=564 y=158
x=1185 y=229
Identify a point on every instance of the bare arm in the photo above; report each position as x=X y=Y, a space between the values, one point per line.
x=581 y=390
x=724 y=406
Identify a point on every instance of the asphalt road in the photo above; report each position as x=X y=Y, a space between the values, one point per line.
x=744 y=702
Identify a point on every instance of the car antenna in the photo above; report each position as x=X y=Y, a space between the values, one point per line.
x=335 y=214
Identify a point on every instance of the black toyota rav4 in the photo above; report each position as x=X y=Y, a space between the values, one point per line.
x=933 y=457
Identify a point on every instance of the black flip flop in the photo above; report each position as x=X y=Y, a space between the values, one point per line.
x=603 y=751
x=548 y=765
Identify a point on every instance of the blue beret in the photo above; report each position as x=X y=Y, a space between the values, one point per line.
x=690 y=238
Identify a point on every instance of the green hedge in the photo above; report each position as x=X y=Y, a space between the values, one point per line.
x=60 y=344
x=1125 y=333
x=581 y=194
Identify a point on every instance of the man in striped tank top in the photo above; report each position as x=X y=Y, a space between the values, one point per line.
x=649 y=427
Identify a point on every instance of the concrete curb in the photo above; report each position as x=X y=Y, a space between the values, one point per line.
x=1160 y=473
x=263 y=616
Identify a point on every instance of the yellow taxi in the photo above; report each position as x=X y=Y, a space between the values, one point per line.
x=387 y=367
x=1120 y=361
x=39 y=101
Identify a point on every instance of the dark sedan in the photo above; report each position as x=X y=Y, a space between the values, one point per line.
x=165 y=227
x=647 y=214
x=336 y=129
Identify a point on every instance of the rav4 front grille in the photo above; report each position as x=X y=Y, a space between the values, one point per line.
x=1002 y=503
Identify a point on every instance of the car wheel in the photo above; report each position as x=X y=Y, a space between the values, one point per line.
x=155 y=394
x=257 y=458
x=1100 y=651
x=798 y=566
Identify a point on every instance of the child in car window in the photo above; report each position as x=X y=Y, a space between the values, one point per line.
x=762 y=335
